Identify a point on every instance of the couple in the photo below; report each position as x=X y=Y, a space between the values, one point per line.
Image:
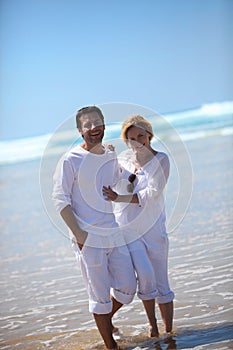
x=83 y=195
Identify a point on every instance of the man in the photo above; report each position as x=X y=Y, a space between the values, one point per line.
x=78 y=197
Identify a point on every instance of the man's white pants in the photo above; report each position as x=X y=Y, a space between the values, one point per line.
x=107 y=270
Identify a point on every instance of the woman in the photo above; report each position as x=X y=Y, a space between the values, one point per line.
x=140 y=211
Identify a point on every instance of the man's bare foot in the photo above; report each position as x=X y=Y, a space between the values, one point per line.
x=153 y=332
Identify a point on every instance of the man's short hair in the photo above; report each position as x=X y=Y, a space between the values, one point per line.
x=85 y=110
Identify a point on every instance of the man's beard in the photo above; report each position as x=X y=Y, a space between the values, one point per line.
x=94 y=140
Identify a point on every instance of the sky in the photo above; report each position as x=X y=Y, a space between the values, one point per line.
x=60 y=55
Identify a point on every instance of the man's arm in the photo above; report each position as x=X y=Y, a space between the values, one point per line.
x=70 y=220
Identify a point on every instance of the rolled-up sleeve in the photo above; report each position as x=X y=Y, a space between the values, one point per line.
x=157 y=173
x=63 y=180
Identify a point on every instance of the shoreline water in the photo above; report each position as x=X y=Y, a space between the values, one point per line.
x=43 y=299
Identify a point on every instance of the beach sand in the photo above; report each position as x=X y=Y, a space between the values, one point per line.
x=43 y=299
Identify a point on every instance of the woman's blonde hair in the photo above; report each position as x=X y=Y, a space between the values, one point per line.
x=135 y=120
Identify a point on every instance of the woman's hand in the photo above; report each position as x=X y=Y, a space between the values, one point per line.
x=109 y=194
x=109 y=146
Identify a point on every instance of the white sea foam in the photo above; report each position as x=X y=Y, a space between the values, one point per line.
x=191 y=124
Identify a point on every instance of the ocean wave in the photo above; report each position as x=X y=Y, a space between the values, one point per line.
x=208 y=120
x=206 y=110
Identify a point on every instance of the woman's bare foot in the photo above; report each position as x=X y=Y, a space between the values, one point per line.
x=115 y=329
x=116 y=333
x=153 y=332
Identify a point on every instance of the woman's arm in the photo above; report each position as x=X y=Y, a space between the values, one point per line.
x=110 y=195
x=157 y=173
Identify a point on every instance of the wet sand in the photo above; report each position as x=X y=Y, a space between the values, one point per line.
x=43 y=299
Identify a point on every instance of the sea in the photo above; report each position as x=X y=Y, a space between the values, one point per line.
x=43 y=301
x=209 y=119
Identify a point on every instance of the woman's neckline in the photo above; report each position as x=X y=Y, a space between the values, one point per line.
x=136 y=169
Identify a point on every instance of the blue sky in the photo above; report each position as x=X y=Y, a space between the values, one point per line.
x=60 y=55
